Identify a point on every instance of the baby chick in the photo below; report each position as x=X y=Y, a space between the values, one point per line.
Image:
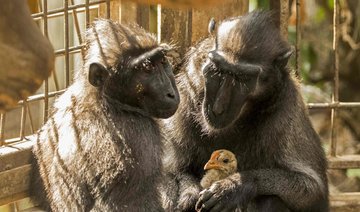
x=222 y=164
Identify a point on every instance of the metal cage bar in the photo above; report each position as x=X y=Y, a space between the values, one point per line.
x=108 y=9
x=335 y=98
x=46 y=92
x=66 y=35
x=2 y=129
x=298 y=37
x=87 y=13
x=23 y=120
x=69 y=9
x=333 y=105
x=30 y=118
x=77 y=28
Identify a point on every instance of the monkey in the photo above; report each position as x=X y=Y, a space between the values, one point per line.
x=100 y=149
x=222 y=164
x=238 y=93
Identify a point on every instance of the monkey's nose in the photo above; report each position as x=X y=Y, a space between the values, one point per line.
x=217 y=108
x=170 y=95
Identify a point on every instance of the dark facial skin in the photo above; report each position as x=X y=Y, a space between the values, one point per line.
x=148 y=84
x=227 y=87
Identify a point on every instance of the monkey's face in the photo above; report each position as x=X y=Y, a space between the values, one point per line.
x=144 y=82
x=153 y=86
x=246 y=65
x=227 y=87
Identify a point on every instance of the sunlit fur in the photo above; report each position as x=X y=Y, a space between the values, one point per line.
x=92 y=153
x=278 y=152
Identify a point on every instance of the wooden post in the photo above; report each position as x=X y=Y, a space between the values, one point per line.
x=143 y=16
x=128 y=12
x=187 y=27
x=281 y=18
x=201 y=17
x=176 y=28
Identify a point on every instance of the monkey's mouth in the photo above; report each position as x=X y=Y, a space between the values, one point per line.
x=165 y=113
x=219 y=122
x=162 y=111
x=222 y=108
x=161 y=106
x=223 y=105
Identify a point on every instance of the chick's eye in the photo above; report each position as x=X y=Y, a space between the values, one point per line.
x=226 y=160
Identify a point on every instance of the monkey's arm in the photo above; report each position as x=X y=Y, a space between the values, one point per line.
x=189 y=189
x=299 y=191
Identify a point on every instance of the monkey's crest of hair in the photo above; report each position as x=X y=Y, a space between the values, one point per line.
x=109 y=43
x=254 y=34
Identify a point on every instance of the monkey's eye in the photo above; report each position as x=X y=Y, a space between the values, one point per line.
x=147 y=66
x=163 y=61
x=210 y=68
x=226 y=160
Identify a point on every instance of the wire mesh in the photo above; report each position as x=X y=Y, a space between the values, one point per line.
x=335 y=104
x=72 y=8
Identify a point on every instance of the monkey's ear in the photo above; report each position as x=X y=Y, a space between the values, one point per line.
x=282 y=60
x=97 y=74
x=211 y=26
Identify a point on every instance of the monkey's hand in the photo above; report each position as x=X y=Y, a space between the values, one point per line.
x=189 y=189
x=187 y=199
x=227 y=195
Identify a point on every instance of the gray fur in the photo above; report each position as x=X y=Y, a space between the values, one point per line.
x=96 y=153
x=281 y=163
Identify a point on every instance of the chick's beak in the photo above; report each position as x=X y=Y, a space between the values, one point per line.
x=212 y=164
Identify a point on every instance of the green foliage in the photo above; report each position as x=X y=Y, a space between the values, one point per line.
x=330 y=4
x=153 y=19
x=259 y=4
x=353 y=172
x=320 y=15
x=263 y=4
x=307 y=55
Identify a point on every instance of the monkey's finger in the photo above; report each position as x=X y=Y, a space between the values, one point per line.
x=207 y=194
x=212 y=203
x=204 y=196
x=198 y=205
